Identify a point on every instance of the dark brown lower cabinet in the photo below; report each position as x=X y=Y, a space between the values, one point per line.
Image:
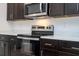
x=52 y=47
x=56 y=53
x=61 y=53
x=49 y=53
x=49 y=47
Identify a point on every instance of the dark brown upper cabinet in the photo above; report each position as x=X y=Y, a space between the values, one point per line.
x=15 y=11
x=61 y=9
x=71 y=8
x=56 y=9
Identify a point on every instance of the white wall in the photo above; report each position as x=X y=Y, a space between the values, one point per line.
x=4 y=25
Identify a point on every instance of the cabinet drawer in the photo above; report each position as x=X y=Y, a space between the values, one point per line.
x=47 y=43
x=70 y=47
x=50 y=53
x=61 y=53
x=66 y=44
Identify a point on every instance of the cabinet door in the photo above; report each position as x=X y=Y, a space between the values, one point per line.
x=70 y=48
x=49 y=52
x=6 y=49
x=49 y=47
x=15 y=11
x=10 y=11
x=49 y=44
x=61 y=53
x=2 y=53
x=19 y=10
x=56 y=9
x=71 y=8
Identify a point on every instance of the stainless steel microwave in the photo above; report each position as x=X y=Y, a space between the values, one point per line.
x=35 y=9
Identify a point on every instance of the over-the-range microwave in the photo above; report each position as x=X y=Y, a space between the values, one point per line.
x=35 y=9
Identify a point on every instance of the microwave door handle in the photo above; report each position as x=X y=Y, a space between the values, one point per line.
x=46 y=6
x=41 y=7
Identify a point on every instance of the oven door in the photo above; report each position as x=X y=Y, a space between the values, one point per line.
x=29 y=45
x=26 y=47
x=35 y=47
x=35 y=9
x=23 y=46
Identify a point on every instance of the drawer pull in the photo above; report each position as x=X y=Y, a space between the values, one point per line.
x=48 y=44
x=75 y=48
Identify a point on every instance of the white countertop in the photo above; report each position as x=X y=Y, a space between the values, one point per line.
x=9 y=34
x=56 y=37
x=13 y=33
x=59 y=37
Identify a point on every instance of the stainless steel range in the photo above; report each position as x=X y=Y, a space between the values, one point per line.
x=42 y=30
x=31 y=43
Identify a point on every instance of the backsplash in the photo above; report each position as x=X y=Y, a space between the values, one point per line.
x=63 y=26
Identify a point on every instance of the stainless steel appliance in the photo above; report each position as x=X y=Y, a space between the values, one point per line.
x=42 y=30
x=35 y=9
x=30 y=44
x=24 y=45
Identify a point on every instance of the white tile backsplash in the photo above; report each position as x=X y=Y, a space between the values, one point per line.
x=62 y=26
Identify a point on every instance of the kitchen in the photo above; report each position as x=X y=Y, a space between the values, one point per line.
x=65 y=29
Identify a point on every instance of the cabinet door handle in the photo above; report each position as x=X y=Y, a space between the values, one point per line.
x=75 y=48
x=12 y=39
x=48 y=44
x=1 y=44
x=11 y=16
x=77 y=6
